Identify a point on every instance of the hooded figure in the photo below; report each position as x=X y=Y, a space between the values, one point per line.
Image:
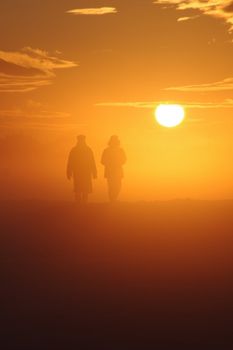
x=82 y=168
x=113 y=159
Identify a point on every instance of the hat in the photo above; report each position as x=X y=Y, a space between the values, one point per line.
x=114 y=141
x=81 y=138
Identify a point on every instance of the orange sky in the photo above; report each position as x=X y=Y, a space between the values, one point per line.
x=100 y=68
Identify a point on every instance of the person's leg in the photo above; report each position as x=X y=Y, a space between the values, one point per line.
x=114 y=187
x=110 y=190
x=85 y=197
x=117 y=188
x=77 y=197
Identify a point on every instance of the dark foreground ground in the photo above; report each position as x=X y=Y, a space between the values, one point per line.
x=132 y=276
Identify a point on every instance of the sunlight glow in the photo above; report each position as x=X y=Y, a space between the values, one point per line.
x=169 y=115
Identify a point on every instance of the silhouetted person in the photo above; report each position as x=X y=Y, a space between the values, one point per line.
x=113 y=159
x=82 y=168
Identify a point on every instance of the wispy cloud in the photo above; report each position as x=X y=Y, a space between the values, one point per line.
x=33 y=110
x=222 y=85
x=93 y=11
x=216 y=8
x=29 y=69
x=187 y=18
x=152 y=104
x=34 y=115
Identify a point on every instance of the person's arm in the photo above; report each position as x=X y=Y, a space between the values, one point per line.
x=103 y=158
x=93 y=166
x=69 y=168
x=123 y=157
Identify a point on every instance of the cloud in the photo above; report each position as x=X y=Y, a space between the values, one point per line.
x=182 y=19
x=152 y=104
x=93 y=11
x=29 y=69
x=33 y=110
x=33 y=115
x=215 y=8
x=45 y=124
x=222 y=85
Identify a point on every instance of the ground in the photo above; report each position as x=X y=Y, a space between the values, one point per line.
x=125 y=276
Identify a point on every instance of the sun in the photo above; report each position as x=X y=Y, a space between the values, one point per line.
x=169 y=115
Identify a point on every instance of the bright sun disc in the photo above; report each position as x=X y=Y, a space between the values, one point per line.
x=169 y=115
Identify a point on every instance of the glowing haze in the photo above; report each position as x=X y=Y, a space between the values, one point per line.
x=102 y=68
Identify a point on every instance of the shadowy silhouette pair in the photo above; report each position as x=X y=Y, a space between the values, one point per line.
x=81 y=167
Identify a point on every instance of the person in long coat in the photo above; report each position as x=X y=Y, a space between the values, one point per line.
x=113 y=159
x=82 y=168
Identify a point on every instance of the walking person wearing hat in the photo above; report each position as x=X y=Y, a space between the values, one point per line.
x=82 y=168
x=113 y=159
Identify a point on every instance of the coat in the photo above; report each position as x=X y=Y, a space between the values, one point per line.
x=113 y=158
x=82 y=168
